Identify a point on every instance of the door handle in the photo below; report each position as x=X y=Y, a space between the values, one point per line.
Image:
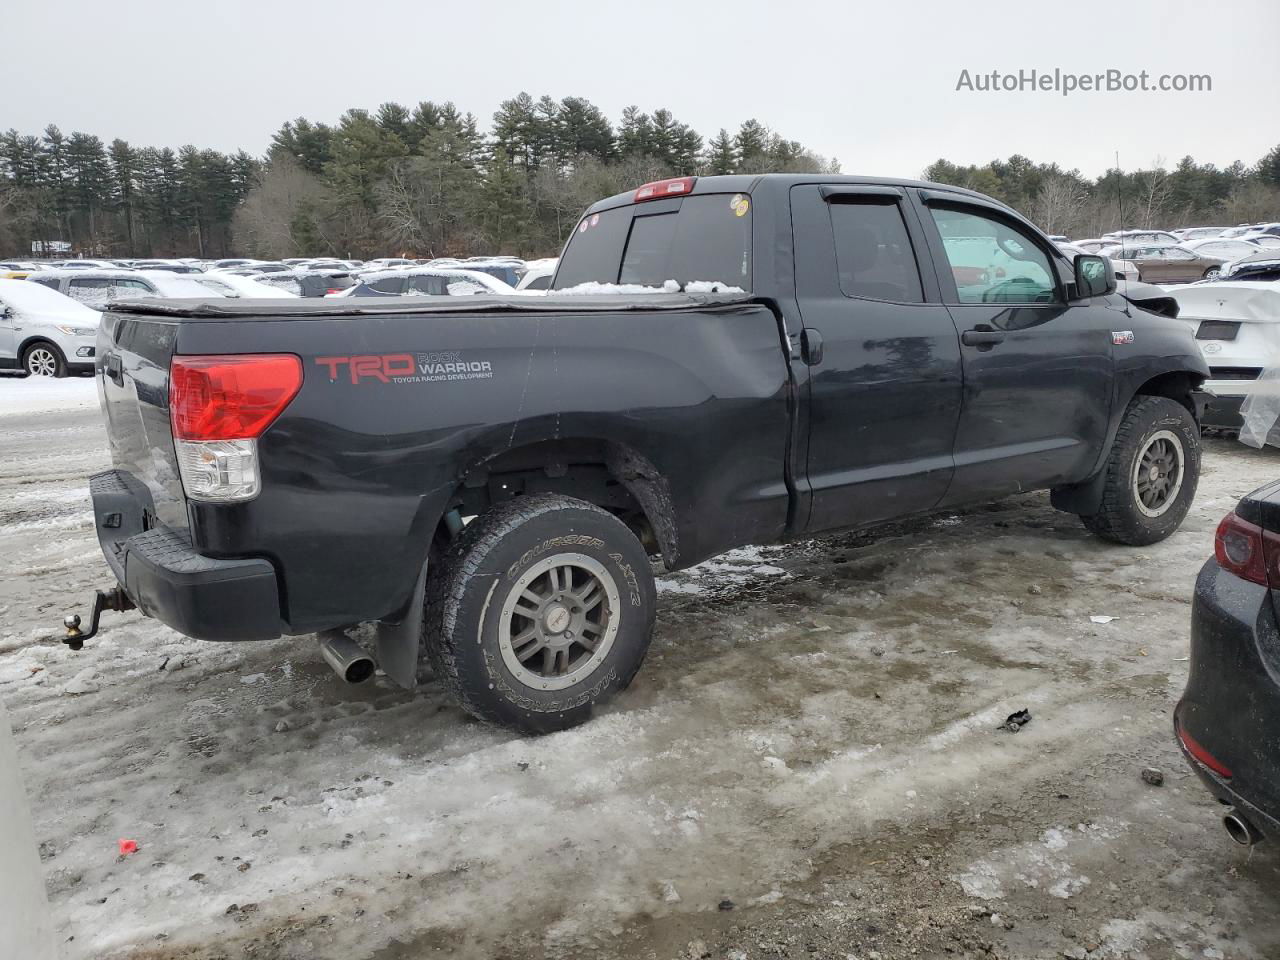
x=114 y=370
x=982 y=337
x=811 y=346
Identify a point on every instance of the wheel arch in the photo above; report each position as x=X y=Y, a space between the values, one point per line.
x=38 y=338
x=1179 y=385
x=602 y=471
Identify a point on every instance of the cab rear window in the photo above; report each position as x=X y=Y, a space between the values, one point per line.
x=703 y=238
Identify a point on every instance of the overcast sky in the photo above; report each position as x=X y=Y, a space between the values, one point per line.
x=872 y=84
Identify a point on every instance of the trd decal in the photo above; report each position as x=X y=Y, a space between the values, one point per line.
x=406 y=367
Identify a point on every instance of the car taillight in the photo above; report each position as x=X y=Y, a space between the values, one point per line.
x=675 y=187
x=218 y=407
x=1248 y=551
x=334 y=290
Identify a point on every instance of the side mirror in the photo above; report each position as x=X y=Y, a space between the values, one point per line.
x=1095 y=276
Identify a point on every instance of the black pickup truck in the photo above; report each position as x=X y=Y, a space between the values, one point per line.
x=720 y=361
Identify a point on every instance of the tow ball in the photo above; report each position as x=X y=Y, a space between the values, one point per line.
x=114 y=599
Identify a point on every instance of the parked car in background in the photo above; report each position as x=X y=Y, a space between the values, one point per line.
x=1262 y=266
x=1161 y=263
x=424 y=282
x=307 y=282
x=385 y=263
x=1093 y=244
x=228 y=283
x=1134 y=237
x=172 y=266
x=1237 y=328
x=1228 y=720
x=538 y=275
x=1228 y=248
x=1198 y=233
x=1265 y=240
x=263 y=267
x=507 y=269
x=43 y=333
x=227 y=264
x=81 y=264
x=97 y=288
x=20 y=266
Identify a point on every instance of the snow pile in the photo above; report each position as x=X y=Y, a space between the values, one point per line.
x=46 y=394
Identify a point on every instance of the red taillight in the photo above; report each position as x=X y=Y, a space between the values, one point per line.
x=1248 y=551
x=1201 y=754
x=676 y=186
x=334 y=290
x=233 y=397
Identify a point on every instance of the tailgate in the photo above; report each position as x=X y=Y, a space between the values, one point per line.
x=133 y=382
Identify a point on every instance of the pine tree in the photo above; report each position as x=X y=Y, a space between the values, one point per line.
x=124 y=186
x=752 y=142
x=722 y=154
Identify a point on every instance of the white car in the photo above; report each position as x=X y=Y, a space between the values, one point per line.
x=1199 y=233
x=43 y=333
x=538 y=276
x=387 y=263
x=97 y=288
x=1235 y=324
x=224 y=283
x=1134 y=237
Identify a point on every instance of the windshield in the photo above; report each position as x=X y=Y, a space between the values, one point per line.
x=703 y=238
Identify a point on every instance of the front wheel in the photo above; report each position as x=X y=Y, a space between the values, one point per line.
x=44 y=360
x=541 y=609
x=1212 y=273
x=1151 y=474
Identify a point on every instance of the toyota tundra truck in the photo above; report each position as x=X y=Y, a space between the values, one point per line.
x=720 y=361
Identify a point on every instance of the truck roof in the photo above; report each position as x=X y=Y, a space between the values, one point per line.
x=750 y=183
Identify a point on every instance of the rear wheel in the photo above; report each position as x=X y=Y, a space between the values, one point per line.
x=541 y=609
x=43 y=359
x=1151 y=474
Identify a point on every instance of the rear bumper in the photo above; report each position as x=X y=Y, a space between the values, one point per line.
x=1231 y=706
x=1223 y=792
x=201 y=597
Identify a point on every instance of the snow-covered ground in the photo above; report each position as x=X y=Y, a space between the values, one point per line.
x=24 y=395
x=813 y=742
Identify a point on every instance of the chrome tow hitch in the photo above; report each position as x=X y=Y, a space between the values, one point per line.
x=113 y=599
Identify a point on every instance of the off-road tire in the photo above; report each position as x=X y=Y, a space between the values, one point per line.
x=467 y=590
x=1121 y=517
x=43 y=348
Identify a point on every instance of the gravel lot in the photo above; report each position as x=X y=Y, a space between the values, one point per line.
x=808 y=765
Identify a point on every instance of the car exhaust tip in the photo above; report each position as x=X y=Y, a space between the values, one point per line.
x=348 y=659
x=1240 y=829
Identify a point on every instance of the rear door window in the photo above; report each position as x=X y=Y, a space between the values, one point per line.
x=874 y=253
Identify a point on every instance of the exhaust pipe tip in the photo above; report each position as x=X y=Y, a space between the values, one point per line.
x=346 y=657
x=1240 y=829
